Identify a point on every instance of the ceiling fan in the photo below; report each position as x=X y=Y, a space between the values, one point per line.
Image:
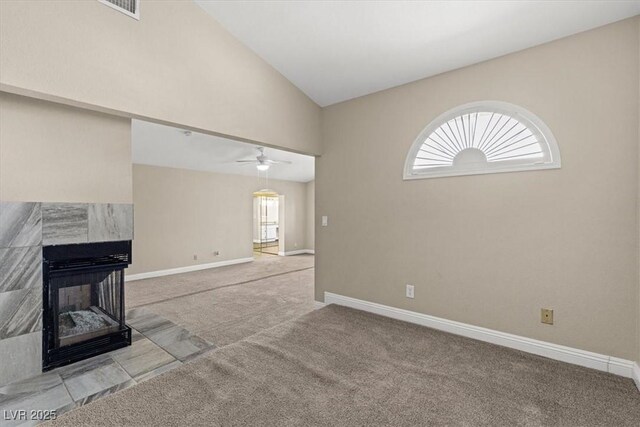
x=262 y=162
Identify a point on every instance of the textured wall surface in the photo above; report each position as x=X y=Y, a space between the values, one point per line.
x=492 y=250
x=53 y=153
x=181 y=213
x=311 y=216
x=175 y=65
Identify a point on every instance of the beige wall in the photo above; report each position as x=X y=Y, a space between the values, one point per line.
x=311 y=204
x=491 y=250
x=54 y=153
x=176 y=65
x=179 y=213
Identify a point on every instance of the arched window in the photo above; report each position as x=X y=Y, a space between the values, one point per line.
x=482 y=137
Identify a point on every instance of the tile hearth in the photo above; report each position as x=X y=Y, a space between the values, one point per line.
x=158 y=346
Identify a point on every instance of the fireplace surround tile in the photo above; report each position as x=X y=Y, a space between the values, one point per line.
x=158 y=371
x=110 y=222
x=94 y=377
x=173 y=339
x=106 y=392
x=24 y=228
x=20 y=312
x=45 y=392
x=21 y=357
x=65 y=223
x=142 y=357
x=20 y=224
x=146 y=322
x=180 y=343
x=20 y=268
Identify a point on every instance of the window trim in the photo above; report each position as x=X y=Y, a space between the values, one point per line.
x=527 y=118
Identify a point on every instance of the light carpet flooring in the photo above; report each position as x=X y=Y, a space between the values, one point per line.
x=227 y=304
x=226 y=315
x=339 y=366
x=159 y=289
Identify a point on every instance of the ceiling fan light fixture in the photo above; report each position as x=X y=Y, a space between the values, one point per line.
x=262 y=167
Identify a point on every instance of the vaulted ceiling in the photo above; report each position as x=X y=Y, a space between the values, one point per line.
x=338 y=50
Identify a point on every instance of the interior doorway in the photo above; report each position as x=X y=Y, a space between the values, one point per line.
x=267 y=224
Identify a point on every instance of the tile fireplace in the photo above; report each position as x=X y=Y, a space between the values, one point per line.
x=83 y=301
x=26 y=229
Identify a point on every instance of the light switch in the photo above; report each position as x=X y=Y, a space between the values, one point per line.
x=325 y=220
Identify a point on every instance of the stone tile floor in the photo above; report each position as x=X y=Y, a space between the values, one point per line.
x=158 y=345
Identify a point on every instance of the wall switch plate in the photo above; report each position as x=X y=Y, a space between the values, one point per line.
x=410 y=291
x=325 y=220
x=546 y=316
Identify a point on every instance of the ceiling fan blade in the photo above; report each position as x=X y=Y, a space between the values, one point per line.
x=246 y=161
x=275 y=162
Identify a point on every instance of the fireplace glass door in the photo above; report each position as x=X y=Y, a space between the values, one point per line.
x=86 y=305
x=83 y=301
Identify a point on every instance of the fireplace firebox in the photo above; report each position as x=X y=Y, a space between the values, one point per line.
x=83 y=301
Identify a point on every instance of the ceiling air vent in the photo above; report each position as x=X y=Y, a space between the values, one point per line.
x=128 y=7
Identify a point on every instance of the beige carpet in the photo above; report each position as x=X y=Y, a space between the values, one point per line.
x=228 y=314
x=225 y=305
x=159 y=289
x=338 y=366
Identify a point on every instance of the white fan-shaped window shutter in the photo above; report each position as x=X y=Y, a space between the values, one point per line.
x=482 y=137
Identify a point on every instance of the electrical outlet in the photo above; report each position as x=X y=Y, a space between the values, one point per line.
x=410 y=290
x=195 y=257
x=546 y=316
x=216 y=253
x=325 y=220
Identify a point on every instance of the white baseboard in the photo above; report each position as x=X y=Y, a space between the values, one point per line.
x=319 y=304
x=621 y=367
x=159 y=273
x=614 y=365
x=297 y=252
x=636 y=375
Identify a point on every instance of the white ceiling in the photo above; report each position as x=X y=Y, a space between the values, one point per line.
x=160 y=145
x=338 y=50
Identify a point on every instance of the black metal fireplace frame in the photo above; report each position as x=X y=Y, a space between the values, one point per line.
x=88 y=257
